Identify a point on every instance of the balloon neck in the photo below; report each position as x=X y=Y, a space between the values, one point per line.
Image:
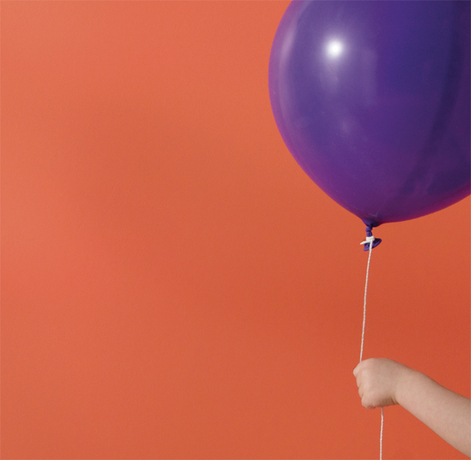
x=370 y=239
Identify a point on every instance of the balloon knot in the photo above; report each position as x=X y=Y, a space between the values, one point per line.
x=370 y=239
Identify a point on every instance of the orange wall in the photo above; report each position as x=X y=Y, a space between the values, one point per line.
x=173 y=285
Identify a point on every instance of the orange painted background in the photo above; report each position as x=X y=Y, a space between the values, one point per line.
x=173 y=284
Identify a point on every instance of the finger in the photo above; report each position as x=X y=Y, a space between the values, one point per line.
x=366 y=404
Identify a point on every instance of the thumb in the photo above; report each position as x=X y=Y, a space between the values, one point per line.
x=356 y=370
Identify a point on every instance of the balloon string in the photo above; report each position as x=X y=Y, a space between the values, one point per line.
x=381 y=435
x=369 y=240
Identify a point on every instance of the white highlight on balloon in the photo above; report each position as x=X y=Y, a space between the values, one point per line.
x=334 y=49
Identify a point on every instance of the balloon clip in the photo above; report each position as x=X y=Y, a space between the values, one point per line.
x=370 y=239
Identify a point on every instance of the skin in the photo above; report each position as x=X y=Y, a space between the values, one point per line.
x=383 y=382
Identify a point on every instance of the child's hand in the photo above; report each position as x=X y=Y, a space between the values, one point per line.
x=379 y=380
x=382 y=382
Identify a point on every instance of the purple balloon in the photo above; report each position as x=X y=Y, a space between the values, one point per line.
x=372 y=98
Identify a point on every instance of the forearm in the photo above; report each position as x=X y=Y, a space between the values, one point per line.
x=445 y=412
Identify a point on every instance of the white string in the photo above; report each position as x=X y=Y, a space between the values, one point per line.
x=369 y=240
x=381 y=435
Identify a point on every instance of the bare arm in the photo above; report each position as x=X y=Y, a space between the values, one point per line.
x=383 y=382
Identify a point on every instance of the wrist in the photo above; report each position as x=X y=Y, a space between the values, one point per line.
x=405 y=380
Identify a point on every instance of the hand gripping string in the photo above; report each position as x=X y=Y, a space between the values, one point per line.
x=369 y=240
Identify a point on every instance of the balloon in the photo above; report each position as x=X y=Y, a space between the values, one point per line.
x=372 y=98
